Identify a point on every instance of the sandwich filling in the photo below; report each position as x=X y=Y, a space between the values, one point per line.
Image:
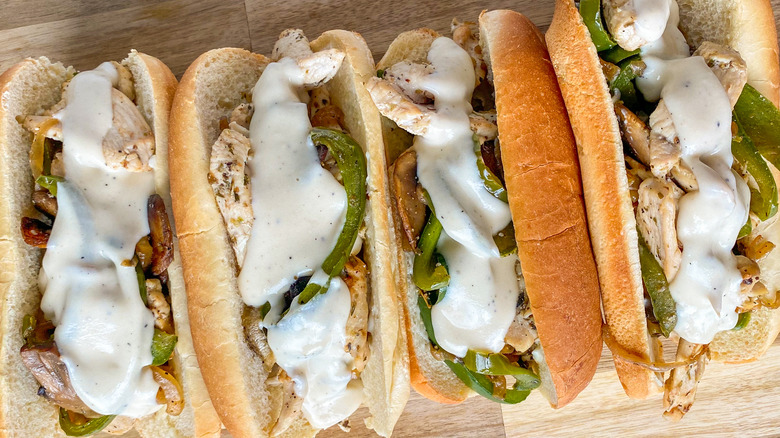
x=104 y=329
x=453 y=208
x=698 y=183
x=295 y=234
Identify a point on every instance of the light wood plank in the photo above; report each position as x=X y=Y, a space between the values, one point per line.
x=378 y=22
x=176 y=31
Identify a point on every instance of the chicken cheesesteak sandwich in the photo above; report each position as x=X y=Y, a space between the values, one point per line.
x=497 y=275
x=94 y=327
x=281 y=211
x=674 y=106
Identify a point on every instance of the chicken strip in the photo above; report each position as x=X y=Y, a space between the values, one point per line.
x=657 y=218
x=621 y=17
x=484 y=125
x=407 y=76
x=665 y=150
x=292 y=43
x=680 y=387
x=231 y=186
x=398 y=107
x=356 y=279
x=466 y=35
x=291 y=405
x=242 y=115
x=634 y=132
x=727 y=65
x=521 y=334
x=125 y=82
x=129 y=144
x=159 y=305
x=52 y=128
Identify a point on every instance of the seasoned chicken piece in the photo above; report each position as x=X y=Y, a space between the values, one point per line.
x=620 y=16
x=409 y=196
x=665 y=150
x=408 y=76
x=634 y=132
x=356 y=278
x=521 y=334
x=46 y=365
x=231 y=187
x=58 y=165
x=484 y=125
x=159 y=305
x=319 y=98
x=292 y=43
x=125 y=82
x=466 y=35
x=657 y=218
x=242 y=115
x=398 y=107
x=51 y=126
x=727 y=65
x=684 y=177
x=680 y=387
x=129 y=144
x=320 y=67
x=291 y=405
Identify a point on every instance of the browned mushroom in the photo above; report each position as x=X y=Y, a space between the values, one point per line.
x=35 y=233
x=409 y=197
x=161 y=235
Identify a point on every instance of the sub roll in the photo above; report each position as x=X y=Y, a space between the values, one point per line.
x=282 y=216
x=674 y=107
x=95 y=334
x=497 y=278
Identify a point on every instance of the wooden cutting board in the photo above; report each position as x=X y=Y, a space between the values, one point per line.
x=732 y=400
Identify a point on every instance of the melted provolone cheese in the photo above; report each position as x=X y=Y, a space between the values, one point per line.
x=707 y=286
x=90 y=292
x=299 y=209
x=481 y=298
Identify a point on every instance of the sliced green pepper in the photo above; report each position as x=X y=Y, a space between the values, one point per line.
x=761 y=121
x=505 y=240
x=490 y=180
x=352 y=164
x=162 y=347
x=484 y=387
x=264 y=309
x=763 y=199
x=496 y=364
x=623 y=81
x=139 y=274
x=49 y=182
x=742 y=322
x=591 y=16
x=617 y=54
x=92 y=426
x=425 y=315
x=657 y=287
x=429 y=273
x=746 y=229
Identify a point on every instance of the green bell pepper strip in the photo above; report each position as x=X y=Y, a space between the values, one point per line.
x=742 y=322
x=496 y=364
x=763 y=199
x=491 y=182
x=591 y=16
x=425 y=315
x=162 y=347
x=505 y=240
x=484 y=387
x=49 y=182
x=93 y=426
x=139 y=273
x=623 y=81
x=617 y=54
x=746 y=229
x=428 y=273
x=761 y=121
x=352 y=163
x=664 y=307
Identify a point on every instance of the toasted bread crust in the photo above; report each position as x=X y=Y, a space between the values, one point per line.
x=747 y=26
x=540 y=162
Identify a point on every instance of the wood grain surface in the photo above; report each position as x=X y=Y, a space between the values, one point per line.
x=732 y=400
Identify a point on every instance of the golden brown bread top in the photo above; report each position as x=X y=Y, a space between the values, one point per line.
x=545 y=196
